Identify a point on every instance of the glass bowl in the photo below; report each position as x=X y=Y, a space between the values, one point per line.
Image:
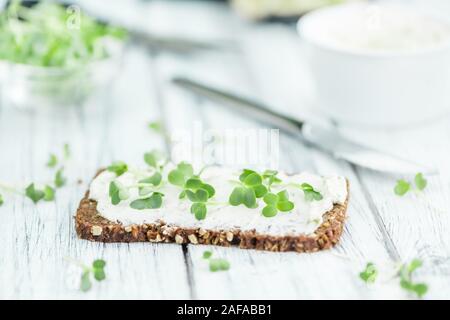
x=33 y=87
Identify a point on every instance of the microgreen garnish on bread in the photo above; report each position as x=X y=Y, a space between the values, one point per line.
x=310 y=193
x=193 y=188
x=277 y=202
x=118 y=167
x=166 y=202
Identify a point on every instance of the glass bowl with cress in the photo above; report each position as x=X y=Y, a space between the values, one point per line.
x=54 y=55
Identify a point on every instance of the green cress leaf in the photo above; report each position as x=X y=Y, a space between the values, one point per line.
x=152 y=202
x=52 y=161
x=369 y=274
x=249 y=199
x=1 y=200
x=60 y=180
x=118 y=167
x=155 y=179
x=218 y=265
x=420 y=181
x=176 y=177
x=271 y=177
x=269 y=211
x=402 y=187
x=186 y=169
x=193 y=183
x=420 y=289
x=224 y=264
x=114 y=188
x=49 y=193
x=310 y=193
x=124 y=194
x=199 y=210
x=283 y=195
x=210 y=189
x=154 y=159
x=156 y=126
x=237 y=196
x=200 y=195
x=252 y=180
x=285 y=206
x=245 y=173
x=99 y=264
x=98 y=269
x=214 y=265
x=406 y=281
x=270 y=198
x=414 y=265
x=143 y=191
x=260 y=190
x=66 y=151
x=207 y=254
x=85 y=284
x=99 y=274
x=34 y=194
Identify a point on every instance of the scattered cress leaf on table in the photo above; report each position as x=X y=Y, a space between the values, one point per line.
x=406 y=279
x=85 y=284
x=66 y=151
x=218 y=265
x=49 y=193
x=369 y=274
x=207 y=254
x=402 y=187
x=97 y=270
x=52 y=161
x=156 y=126
x=34 y=194
x=60 y=180
x=1 y=200
x=420 y=181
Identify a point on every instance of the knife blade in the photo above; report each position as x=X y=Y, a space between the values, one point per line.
x=325 y=139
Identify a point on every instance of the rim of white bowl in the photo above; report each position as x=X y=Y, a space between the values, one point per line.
x=305 y=34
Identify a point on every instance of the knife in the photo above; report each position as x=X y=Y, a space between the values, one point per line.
x=325 y=139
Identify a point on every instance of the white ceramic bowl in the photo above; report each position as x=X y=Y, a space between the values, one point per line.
x=376 y=88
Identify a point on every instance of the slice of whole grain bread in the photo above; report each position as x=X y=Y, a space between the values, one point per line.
x=90 y=225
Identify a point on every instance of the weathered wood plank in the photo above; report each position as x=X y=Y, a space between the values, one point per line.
x=38 y=238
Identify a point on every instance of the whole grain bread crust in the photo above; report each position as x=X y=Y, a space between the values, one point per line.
x=90 y=225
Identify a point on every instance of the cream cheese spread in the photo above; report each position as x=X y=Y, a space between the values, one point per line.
x=303 y=219
x=380 y=27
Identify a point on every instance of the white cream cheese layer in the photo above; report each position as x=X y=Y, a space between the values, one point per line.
x=303 y=219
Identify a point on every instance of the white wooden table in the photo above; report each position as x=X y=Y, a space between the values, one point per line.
x=36 y=240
